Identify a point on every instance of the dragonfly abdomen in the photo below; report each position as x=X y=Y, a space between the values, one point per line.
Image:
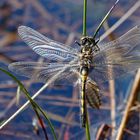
x=84 y=74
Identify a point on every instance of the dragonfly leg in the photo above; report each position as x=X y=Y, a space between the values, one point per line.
x=77 y=42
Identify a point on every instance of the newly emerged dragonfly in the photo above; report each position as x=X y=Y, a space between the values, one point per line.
x=89 y=62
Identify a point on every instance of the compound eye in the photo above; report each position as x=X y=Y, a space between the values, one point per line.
x=84 y=41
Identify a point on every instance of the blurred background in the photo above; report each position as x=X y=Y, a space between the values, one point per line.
x=62 y=21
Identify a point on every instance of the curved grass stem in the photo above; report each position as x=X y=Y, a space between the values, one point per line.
x=35 y=106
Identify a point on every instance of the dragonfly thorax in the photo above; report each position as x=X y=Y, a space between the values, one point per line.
x=86 y=57
x=87 y=47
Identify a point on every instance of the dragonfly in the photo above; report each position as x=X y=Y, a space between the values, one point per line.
x=88 y=65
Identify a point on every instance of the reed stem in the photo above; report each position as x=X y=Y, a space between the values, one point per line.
x=84 y=34
x=85 y=18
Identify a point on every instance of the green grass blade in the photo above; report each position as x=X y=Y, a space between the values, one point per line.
x=104 y=19
x=33 y=103
x=84 y=18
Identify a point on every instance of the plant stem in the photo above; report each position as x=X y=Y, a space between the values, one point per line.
x=104 y=19
x=40 y=120
x=84 y=34
x=87 y=125
x=34 y=104
x=121 y=20
x=84 y=17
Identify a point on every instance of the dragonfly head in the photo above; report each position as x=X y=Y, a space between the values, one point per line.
x=87 y=44
x=87 y=41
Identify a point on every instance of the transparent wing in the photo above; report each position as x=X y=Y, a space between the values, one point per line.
x=45 y=71
x=127 y=41
x=118 y=57
x=46 y=47
x=93 y=95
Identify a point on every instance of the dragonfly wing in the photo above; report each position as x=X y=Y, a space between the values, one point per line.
x=43 y=72
x=92 y=94
x=118 y=57
x=110 y=71
x=128 y=41
x=46 y=47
